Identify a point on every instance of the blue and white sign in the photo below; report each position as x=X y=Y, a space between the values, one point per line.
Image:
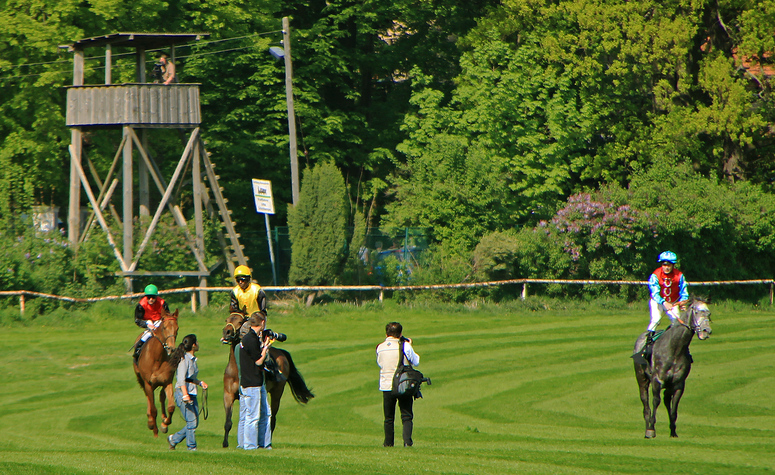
x=262 y=193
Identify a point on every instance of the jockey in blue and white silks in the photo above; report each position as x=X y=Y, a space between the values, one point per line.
x=667 y=287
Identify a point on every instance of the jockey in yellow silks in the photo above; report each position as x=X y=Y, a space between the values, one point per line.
x=247 y=297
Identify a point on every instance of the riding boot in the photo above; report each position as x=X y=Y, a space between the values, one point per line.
x=138 y=349
x=271 y=367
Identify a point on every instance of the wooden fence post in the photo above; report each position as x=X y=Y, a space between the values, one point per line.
x=524 y=291
x=21 y=304
x=193 y=302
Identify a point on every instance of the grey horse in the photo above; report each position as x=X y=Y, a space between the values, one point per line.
x=670 y=363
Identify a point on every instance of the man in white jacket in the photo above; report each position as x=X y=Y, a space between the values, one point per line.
x=387 y=359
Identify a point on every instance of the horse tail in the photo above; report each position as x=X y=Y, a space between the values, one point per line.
x=301 y=393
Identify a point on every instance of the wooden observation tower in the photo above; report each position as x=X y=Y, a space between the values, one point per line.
x=136 y=108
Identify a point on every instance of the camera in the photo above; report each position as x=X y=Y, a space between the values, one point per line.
x=274 y=336
x=157 y=71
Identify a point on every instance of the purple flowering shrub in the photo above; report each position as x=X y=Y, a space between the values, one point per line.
x=28 y=261
x=603 y=240
x=586 y=239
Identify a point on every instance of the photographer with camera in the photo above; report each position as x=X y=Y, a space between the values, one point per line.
x=387 y=359
x=164 y=70
x=246 y=298
x=254 y=429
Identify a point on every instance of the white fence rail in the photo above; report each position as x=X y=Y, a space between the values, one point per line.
x=23 y=294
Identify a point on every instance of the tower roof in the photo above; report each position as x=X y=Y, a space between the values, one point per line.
x=134 y=40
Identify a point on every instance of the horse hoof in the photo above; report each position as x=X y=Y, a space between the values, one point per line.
x=650 y=434
x=164 y=428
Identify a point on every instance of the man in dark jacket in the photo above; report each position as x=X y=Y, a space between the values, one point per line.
x=254 y=430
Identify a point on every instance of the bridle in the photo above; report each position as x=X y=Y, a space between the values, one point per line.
x=236 y=328
x=169 y=349
x=692 y=314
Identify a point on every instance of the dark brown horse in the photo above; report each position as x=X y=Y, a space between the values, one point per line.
x=154 y=367
x=670 y=363
x=275 y=389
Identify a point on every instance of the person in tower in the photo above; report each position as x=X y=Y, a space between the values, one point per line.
x=148 y=315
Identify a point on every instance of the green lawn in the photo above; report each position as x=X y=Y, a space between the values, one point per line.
x=514 y=391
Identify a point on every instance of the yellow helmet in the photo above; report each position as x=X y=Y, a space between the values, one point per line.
x=242 y=271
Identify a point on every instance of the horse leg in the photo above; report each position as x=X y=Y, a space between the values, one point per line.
x=673 y=409
x=656 y=396
x=228 y=405
x=276 y=394
x=148 y=389
x=643 y=385
x=166 y=394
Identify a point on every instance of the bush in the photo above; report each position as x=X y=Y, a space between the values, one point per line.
x=317 y=227
x=720 y=232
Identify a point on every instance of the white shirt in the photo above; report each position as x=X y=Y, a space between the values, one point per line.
x=387 y=359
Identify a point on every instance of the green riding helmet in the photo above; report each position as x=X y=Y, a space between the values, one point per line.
x=151 y=290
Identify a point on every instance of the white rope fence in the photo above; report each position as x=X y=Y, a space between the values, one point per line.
x=23 y=294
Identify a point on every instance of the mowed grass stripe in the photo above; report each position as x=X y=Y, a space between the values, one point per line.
x=514 y=391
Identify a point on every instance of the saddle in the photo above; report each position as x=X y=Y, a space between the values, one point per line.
x=644 y=347
x=273 y=370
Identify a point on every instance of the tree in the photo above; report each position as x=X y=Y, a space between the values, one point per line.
x=317 y=227
x=564 y=96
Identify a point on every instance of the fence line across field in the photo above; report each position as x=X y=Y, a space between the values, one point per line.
x=22 y=294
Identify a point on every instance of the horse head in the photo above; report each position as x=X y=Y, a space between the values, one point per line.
x=698 y=318
x=231 y=330
x=168 y=330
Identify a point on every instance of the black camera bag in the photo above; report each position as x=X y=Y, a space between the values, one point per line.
x=406 y=380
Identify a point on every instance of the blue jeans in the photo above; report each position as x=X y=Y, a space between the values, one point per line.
x=254 y=429
x=190 y=414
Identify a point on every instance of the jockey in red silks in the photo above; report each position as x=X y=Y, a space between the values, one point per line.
x=148 y=315
x=668 y=288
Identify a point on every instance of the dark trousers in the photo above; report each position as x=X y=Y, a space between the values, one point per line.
x=389 y=408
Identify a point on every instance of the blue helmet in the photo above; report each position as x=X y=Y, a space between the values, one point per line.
x=668 y=256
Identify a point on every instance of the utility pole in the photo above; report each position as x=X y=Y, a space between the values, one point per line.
x=291 y=113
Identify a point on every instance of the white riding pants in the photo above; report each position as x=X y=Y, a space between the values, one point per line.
x=151 y=326
x=658 y=311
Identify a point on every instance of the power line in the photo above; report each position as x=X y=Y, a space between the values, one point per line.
x=94 y=68
x=185 y=45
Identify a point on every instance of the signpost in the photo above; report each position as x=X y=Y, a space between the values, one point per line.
x=262 y=193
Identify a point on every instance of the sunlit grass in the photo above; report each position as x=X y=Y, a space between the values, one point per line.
x=515 y=390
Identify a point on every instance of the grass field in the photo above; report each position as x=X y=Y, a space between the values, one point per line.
x=514 y=391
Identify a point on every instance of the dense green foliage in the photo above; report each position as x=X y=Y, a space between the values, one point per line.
x=466 y=118
x=533 y=387
x=556 y=97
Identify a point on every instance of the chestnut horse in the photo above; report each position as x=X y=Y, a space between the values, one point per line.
x=670 y=363
x=155 y=368
x=274 y=389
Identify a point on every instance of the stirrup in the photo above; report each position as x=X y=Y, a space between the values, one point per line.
x=138 y=349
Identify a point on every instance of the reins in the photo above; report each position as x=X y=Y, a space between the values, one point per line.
x=690 y=314
x=164 y=345
x=203 y=409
